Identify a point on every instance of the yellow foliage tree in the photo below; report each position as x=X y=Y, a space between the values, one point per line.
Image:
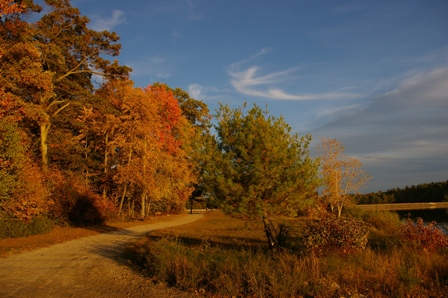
x=341 y=174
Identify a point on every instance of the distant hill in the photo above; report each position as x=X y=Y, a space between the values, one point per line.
x=427 y=192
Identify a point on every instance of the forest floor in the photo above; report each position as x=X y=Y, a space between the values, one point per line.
x=81 y=262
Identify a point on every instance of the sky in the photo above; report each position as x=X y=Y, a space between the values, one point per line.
x=372 y=74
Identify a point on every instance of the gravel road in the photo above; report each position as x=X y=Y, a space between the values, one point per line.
x=86 y=267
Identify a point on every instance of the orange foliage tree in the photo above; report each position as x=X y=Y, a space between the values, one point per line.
x=145 y=145
x=22 y=192
x=129 y=142
x=49 y=65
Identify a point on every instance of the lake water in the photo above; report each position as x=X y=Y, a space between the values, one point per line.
x=428 y=215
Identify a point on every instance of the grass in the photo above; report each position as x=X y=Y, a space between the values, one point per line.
x=219 y=256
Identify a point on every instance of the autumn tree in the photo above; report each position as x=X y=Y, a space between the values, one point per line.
x=202 y=144
x=22 y=193
x=99 y=126
x=147 y=142
x=260 y=168
x=23 y=78
x=74 y=53
x=341 y=174
x=50 y=65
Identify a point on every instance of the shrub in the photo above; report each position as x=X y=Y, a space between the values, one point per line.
x=344 y=235
x=23 y=194
x=40 y=225
x=354 y=211
x=383 y=220
x=13 y=228
x=74 y=203
x=30 y=197
x=420 y=236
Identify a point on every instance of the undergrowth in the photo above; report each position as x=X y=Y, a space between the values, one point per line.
x=202 y=258
x=14 y=228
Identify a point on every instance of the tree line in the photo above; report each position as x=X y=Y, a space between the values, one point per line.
x=73 y=121
x=420 y=193
x=81 y=143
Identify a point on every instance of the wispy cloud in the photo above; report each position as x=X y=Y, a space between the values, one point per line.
x=210 y=94
x=196 y=91
x=339 y=110
x=402 y=133
x=102 y=23
x=249 y=81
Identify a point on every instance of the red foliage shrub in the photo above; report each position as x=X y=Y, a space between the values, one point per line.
x=74 y=203
x=420 y=236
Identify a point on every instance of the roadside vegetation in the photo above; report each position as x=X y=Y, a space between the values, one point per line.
x=81 y=145
x=220 y=256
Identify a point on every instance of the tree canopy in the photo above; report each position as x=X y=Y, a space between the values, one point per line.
x=260 y=168
x=69 y=114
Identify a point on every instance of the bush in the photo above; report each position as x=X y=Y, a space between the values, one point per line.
x=343 y=235
x=354 y=211
x=74 y=203
x=15 y=228
x=422 y=237
x=383 y=220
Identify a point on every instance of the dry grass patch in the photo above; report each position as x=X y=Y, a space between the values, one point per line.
x=219 y=256
x=217 y=230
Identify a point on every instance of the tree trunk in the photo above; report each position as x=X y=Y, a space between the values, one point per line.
x=87 y=169
x=144 y=195
x=340 y=206
x=105 y=166
x=271 y=233
x=125 y=185
x=143 y=208
x=133 y=209
x=148 y=207
x=120 y=208
x=44 y=128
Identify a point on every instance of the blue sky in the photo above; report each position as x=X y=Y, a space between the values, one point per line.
x=372 y=74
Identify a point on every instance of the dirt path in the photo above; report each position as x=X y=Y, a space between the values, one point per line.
x=86 y=267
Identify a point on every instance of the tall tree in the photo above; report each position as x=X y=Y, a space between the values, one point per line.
x=260 y=168
x=199 y=153
x=22 y=193
x=150 y=140
x=341 y=174
x=60 y=56
x=23 y=80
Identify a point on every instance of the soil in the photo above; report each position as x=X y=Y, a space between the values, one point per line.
x=81 y=262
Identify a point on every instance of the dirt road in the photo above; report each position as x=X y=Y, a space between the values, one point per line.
x=87 y=267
